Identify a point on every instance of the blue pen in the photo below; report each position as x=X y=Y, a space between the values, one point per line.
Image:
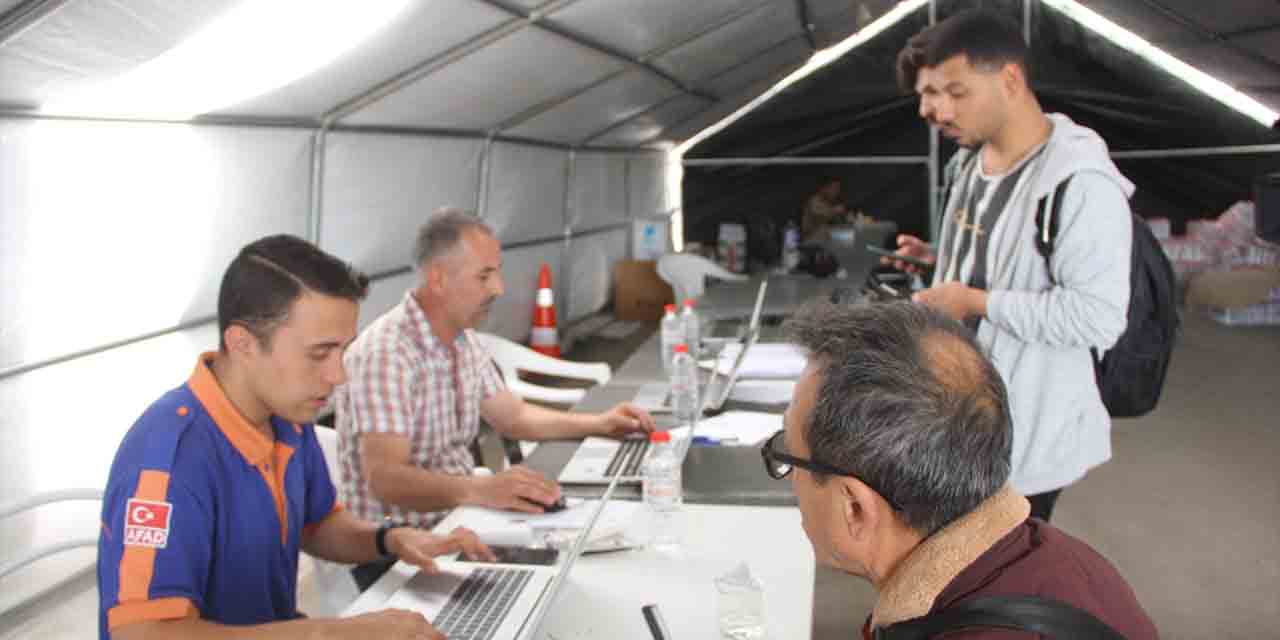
x=709 y=441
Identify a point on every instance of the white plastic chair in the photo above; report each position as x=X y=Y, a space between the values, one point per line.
x=512 y=358
x=687 y=274
x=334 y=582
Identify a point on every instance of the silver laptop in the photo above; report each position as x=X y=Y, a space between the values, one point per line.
x=731 y=329
x=480 y=601
x=597 y=460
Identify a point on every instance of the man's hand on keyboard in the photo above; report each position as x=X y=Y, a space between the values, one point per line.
x=397 y=624
x=625 y=419
x=516 y=489
x=418 y=547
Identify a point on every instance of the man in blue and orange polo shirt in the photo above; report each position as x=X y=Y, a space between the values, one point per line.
x=221 y=482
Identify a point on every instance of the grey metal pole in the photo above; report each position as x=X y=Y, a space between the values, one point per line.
x=482 y=195
x=934 y=143
x=564 y=280
x=26 y=16
x=1197 y=152
x=1026 y=21
x=315 y=212
x=756 y=162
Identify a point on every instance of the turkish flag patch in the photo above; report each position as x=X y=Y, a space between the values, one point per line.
x=146 y=523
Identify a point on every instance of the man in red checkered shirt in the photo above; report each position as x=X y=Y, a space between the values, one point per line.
x=419 y=383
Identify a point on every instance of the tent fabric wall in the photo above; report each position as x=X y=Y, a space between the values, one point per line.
x=378 y=188
x=119 y=229
x=590 y=272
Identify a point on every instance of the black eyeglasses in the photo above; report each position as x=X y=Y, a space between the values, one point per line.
x=779 y=465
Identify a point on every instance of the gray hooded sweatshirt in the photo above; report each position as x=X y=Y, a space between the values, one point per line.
x=1038 y=330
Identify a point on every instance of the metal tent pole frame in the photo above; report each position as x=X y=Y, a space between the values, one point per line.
x=756 y=162
x=935 y=217
x=1238 y=150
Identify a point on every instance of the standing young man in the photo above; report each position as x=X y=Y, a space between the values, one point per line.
x=221 y=482
x=1038 y=324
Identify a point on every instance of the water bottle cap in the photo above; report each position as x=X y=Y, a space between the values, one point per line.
x=688 y=302
x=660 y=436
x=681 y=348
x=669 y=308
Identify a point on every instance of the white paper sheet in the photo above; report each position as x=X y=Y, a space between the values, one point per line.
x=740 y=428
x=494 y=526
x=763 y=391
x=769 y=361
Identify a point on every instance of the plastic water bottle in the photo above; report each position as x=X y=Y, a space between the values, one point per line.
x=663 y=492
x=692 y=327
x=791 y=246
x=672 y=334
x=684 y=386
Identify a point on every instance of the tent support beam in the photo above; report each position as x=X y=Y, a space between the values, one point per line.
x=538 y=110
x=773 y=79
x=563 y=283
x=548 y=105
x=806 y=25
x=819 y=160
x=1198 y=152
x=935 y=167
x=27 y=16
x=598 y=47
x=437 y=62
x=629 y=119
x=1211 y=35
x=315 y=207
x=1026 y=21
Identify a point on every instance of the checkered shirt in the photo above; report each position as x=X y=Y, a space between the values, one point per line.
x=401 y=379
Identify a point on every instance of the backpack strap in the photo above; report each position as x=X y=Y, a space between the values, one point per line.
x=1047 y=214
x=1049 y=618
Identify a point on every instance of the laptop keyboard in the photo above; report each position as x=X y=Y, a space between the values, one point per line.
x=628 y=457
x=479 y=604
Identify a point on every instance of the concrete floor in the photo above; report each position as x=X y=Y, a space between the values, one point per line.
x=1188 y=508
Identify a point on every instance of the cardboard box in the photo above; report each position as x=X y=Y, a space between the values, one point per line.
x=638 y=292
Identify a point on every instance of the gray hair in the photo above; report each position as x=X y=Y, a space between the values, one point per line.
x=907 y=402
x=442 y=232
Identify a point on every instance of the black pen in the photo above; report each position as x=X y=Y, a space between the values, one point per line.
x=657 y=626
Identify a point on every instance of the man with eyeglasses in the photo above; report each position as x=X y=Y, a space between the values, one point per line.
x=897 y=442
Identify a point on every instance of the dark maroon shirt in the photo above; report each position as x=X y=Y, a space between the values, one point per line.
x=1038 y=559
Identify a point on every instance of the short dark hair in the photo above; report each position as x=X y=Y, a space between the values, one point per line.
x=989 y=40
x=264 y=279
x=907 y=402
x=442 y=232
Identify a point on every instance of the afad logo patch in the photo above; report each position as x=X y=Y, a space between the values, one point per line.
x=146 y=523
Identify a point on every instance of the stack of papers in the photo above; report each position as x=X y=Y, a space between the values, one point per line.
x=763 y=391
x=511 y=528
x=740 y=428
x=769 y=360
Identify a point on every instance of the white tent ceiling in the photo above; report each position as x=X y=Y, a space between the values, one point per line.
x=577 y=73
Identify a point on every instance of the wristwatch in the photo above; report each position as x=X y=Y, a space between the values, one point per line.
x=380 y=538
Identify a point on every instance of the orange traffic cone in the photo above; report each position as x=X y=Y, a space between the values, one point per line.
x=544 y=338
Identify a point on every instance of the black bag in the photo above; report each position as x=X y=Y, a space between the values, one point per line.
x=1048 y=618
x=1131 y=374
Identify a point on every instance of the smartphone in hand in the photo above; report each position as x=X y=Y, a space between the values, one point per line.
x=893 y=256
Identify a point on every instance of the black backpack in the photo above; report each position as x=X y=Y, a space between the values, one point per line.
x=1131 y=374
x=1048 y=618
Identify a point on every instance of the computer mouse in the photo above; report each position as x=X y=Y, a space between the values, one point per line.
x=558 y=505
